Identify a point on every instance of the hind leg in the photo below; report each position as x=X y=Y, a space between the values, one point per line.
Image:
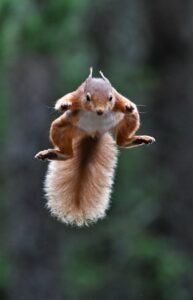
x=61 y=136
x=125 y=132
x=135 y=141
x=51 y=154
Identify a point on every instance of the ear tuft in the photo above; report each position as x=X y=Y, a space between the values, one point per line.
x=103 y=76
x=91 y=71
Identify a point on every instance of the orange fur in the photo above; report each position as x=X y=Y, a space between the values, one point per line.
x=79 y=188
x=80 y=175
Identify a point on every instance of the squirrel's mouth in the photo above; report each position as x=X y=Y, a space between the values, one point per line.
x=100 y=112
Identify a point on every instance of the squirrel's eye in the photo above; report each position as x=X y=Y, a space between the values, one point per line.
x=110 y=98
x=88 y=97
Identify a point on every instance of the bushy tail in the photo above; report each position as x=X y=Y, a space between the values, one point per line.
x=78 y=189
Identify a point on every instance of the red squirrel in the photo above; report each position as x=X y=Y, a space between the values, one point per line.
x=80 y=175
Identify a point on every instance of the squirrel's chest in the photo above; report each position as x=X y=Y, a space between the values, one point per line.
x=91 y=122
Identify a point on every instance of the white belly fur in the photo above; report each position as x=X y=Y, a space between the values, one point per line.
x=91 y=122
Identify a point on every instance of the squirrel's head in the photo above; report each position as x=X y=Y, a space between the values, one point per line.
x=98 y=94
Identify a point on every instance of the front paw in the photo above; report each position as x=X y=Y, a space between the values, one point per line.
x=129 y=108
x=62 y=107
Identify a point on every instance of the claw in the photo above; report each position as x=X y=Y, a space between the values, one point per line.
x=39 y=156
x=129 y=108
x=145 y=141
x=64 y=107
x=151 y=141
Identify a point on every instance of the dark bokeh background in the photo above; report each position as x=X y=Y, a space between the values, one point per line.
x=143 y=250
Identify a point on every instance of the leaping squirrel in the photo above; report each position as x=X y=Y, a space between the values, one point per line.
x=80 y=175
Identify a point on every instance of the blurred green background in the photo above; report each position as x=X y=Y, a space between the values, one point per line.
x=143 y=249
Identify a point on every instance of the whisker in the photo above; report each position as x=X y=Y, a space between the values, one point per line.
x=53 y=112
x=141 y=105
x=50 y=107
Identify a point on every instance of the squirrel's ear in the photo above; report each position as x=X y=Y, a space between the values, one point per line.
x=103 y=76
x=91 y=71
x=89 y=76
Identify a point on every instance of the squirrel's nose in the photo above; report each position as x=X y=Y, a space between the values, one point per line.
x=99 y=112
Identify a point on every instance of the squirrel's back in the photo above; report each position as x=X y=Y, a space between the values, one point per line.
x=78 y=189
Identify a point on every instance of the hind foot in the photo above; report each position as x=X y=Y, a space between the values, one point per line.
x=51 y=154
x=136 y=141
x=142 y=140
